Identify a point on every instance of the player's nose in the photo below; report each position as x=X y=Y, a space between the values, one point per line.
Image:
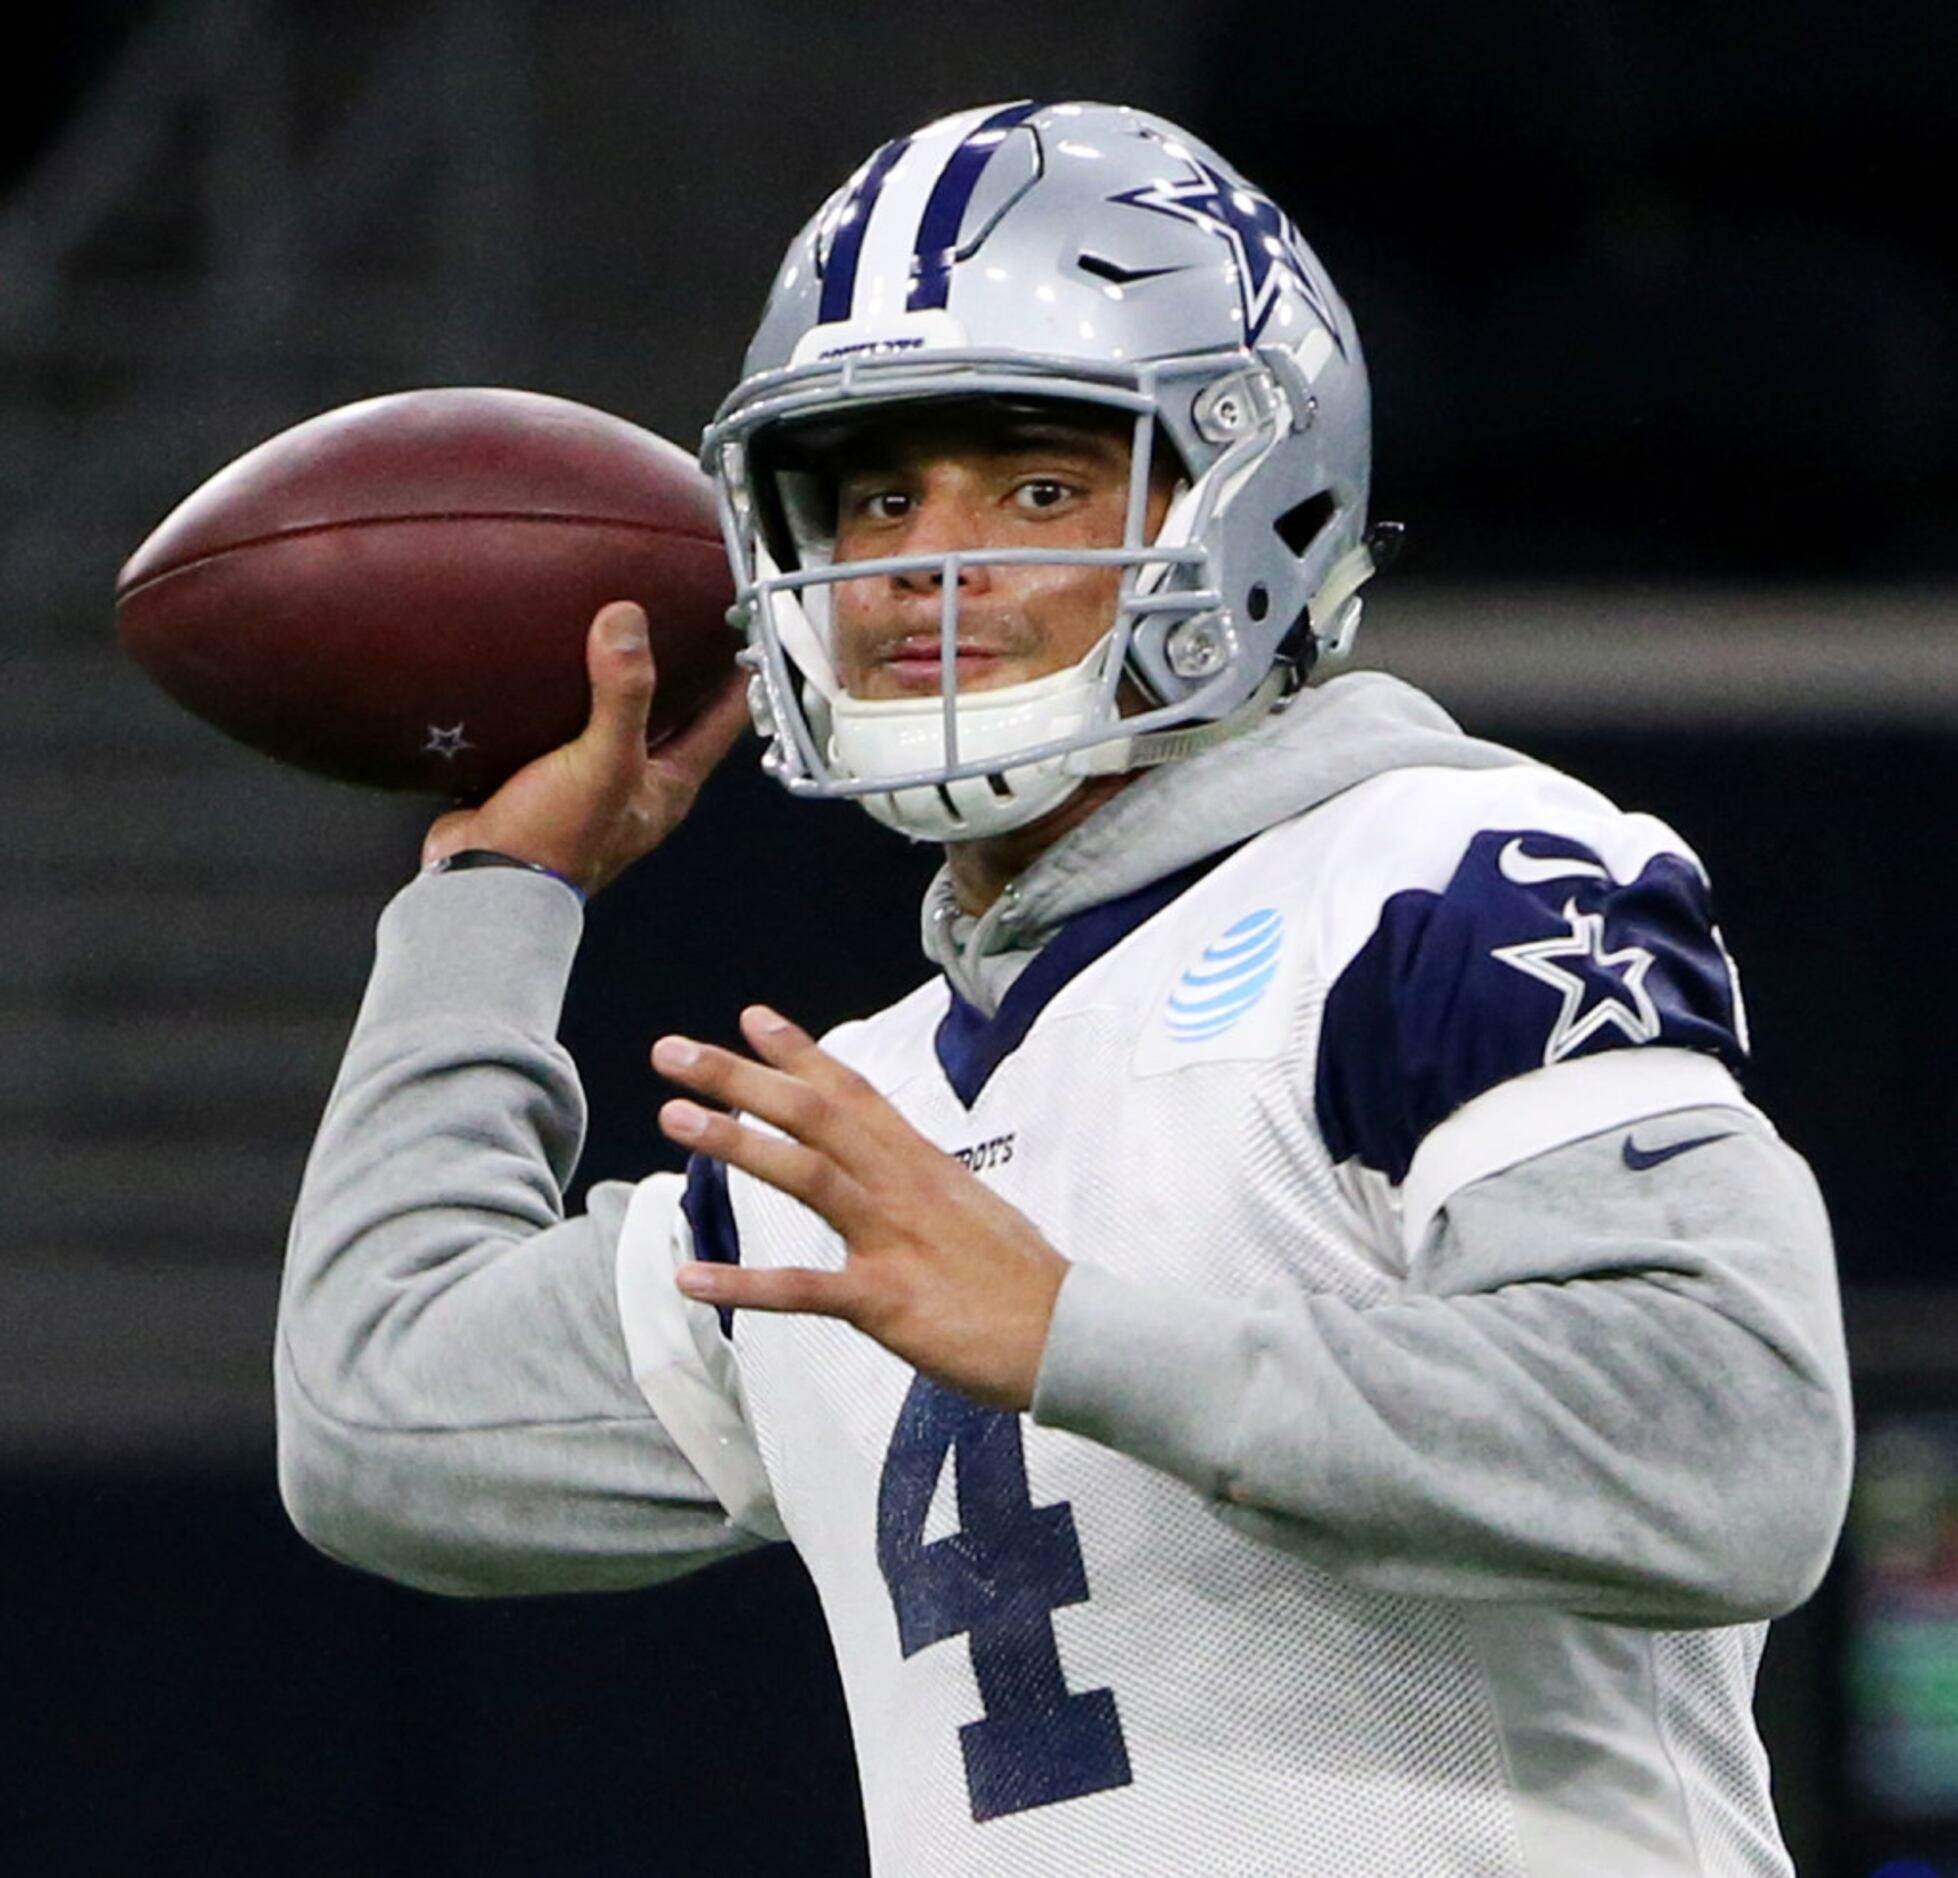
x=943 y=521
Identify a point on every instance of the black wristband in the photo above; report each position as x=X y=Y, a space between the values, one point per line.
x=491 y=857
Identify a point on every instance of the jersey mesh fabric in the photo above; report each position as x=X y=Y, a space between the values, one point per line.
x=1275 y=1719
x=1699 y=1674
x=1272 y=1717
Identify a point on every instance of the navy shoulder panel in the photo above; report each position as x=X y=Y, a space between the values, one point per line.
x=1531 y=954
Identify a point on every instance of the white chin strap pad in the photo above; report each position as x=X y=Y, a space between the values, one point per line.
x=971 y=808
x=893 y=737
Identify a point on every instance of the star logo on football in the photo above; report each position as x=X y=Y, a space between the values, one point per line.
x=447 y=743
x=1620 y=1003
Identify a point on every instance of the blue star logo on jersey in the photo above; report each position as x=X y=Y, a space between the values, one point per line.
x=1600 y=989
x=1269 y=252
x=1231 y=974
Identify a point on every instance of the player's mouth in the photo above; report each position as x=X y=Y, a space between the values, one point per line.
x=917 y=664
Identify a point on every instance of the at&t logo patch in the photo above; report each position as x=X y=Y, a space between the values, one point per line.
x=1227 y=980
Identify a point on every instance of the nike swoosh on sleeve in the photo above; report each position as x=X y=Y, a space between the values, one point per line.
x=1526 y=870
x=1638 y=1159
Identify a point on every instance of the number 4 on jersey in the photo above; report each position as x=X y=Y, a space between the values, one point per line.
x=998 y=1580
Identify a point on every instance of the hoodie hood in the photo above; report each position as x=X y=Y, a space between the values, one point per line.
x=1322 y=742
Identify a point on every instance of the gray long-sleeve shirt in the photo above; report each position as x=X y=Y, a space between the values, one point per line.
x=457 y=1410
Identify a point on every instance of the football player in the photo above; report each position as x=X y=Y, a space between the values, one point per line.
x=1293 y=1350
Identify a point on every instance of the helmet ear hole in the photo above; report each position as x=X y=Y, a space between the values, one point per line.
x=1303 y=522
x=1298 y=528
x=1258 y=601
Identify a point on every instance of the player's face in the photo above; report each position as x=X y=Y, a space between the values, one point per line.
x=929 y=483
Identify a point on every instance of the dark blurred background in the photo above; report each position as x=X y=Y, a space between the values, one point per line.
x=1660 y=303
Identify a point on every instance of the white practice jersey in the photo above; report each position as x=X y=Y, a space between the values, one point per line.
x=1270 y=1072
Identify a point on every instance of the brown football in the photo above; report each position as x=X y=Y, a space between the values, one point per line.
x=397 y=592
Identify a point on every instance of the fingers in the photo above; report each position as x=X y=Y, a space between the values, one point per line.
x=797 y=1086
x=790 y=1288
x=739 y=1084
x=619 y=662
x=775 y=1036
x=803 y=1173
x=786 y=1046
x=446 y=835
x=866 y=1120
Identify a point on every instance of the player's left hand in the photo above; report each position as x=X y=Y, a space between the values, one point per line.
x=937 y=1268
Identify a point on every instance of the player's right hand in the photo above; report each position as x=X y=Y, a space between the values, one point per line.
x=590 y=808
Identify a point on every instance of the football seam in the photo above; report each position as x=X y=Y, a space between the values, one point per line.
x=389 y=521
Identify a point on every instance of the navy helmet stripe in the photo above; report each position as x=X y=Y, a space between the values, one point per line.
x=938 y=227
x=840 y=270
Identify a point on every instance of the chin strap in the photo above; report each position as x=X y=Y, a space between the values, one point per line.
x=1167 y=746
x=1334 y=613
x=1335 y=609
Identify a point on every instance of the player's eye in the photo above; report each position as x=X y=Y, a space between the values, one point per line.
x=1042 y=492
x=873 y=502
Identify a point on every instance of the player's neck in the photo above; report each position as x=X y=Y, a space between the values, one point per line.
x=981 y=869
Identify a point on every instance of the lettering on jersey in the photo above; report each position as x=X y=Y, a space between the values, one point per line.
x=1531 y=955
x=985 y=1155
x=997 y=1582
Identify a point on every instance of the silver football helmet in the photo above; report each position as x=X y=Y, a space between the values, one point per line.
x=1091 y=254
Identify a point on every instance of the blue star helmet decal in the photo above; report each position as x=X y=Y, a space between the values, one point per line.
x=1269 y=254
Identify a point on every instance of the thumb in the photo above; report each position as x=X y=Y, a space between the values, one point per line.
x=449 y=833
x=619 y=662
